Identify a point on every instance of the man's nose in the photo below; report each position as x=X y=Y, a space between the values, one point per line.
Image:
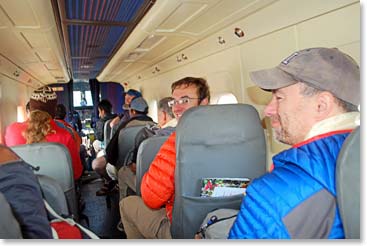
x=271 y=108
x=177 y=107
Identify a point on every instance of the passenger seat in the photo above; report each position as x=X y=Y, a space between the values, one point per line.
x=214 y=141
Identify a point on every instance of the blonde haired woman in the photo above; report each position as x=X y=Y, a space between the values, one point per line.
x=41 y=127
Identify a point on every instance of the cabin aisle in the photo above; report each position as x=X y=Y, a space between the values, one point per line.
x=102 y=220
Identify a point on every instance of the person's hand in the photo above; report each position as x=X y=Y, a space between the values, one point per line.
x=132 y=167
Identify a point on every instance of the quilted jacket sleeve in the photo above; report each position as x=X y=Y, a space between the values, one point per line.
x=157 y=187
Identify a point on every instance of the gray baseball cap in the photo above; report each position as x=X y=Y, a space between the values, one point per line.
x=323 y=68
x=139 y=104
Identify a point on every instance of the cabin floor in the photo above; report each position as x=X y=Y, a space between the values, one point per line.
x=103 y=220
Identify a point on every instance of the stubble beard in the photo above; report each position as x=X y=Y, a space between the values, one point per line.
x=281 y=133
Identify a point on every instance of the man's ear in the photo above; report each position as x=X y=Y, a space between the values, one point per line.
x=164 y=116
x=325 y=104
x=205 y=101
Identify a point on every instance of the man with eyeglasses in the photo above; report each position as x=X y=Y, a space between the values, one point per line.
x=150 y=215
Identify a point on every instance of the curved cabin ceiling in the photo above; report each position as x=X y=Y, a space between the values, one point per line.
x=114 y=40
x=160 y=41
x=93 y=30
x=53 y=41
x=30 y=50
x=129 y=41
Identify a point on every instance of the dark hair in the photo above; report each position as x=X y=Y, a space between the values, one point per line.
x=163 y=106
x=200 y=83
x=60 y=112
x=76 y=123
x=308 y=90
x=28 y=107
x=145 y=112
x=105 y=105
x=348 y=107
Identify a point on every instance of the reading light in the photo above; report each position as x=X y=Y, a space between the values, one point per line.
x=239 y=33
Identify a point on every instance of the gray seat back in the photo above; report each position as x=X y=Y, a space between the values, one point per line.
x=9 y=226
x=214 y=141
x=146 y=154
x=348 y=173
x=53 y=194
x=107 y=133
x=54 y=161
x=126 y=142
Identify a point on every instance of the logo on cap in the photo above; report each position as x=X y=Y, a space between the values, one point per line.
x=289 y=58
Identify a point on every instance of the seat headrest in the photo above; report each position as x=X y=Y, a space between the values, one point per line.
x=348 y=173
x=220 y=123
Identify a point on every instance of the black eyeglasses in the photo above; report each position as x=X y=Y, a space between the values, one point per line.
x=181 y=101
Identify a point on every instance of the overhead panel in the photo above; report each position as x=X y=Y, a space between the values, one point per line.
x=166 y=47
x=12 y=47
x=20 y=17
x=151 y=41
x=35 y=40
x=45 y=55
x=184 y=13
x=29 y=41
x=3 y=20
x=218 y=14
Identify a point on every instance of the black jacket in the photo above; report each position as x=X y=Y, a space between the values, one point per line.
x=112 y=149
x=99 y=132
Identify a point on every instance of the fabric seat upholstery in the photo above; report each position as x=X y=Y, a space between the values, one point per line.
x=146 y=153
x=214 y=141
x=53 y=160
x=53 y=194
x=126 y=143
x=348 y=183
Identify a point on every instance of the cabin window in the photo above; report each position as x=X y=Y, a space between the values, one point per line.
x=21 y=114
x=224 y=98
x=153 y=110
x=82 y=96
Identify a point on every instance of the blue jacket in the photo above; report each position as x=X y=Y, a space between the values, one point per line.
x=20 y=187
x=297 y=199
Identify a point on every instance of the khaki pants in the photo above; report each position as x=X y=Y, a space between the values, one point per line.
x=126 y=178
x=141 y=221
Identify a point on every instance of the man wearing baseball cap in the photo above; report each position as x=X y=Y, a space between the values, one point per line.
x=129 y=96
x=314 y=107
x=105 y=164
